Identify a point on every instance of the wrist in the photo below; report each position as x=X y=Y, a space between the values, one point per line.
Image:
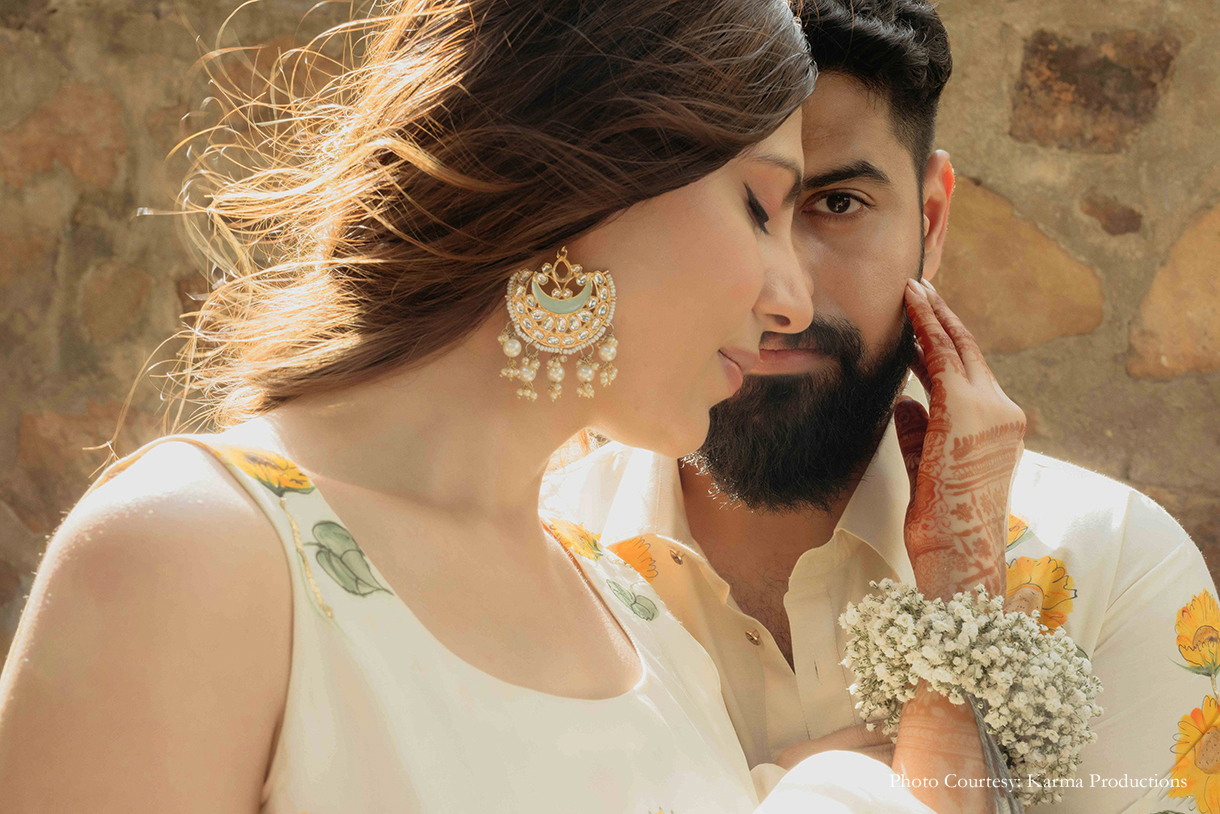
x=943 y=583
x=1032 y=689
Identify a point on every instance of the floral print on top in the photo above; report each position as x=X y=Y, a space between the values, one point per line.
x=636 y=552
x=343 y=560
x=1018 y=530
x=335 y=551
x=1197 y=754
x=574 y=538
x=1198 y=629
x=1042 y=589
x=1196 y=765
x=633 y=553
x=276 y=472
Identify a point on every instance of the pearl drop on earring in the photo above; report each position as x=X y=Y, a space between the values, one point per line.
x=561 y=310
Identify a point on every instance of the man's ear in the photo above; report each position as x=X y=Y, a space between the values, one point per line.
x=937 y=191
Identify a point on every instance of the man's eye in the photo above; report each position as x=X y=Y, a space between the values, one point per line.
x=838 y=203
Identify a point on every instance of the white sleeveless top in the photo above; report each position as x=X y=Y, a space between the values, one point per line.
x=381 y=718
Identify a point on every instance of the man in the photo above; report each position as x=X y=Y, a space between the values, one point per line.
x=797 y=499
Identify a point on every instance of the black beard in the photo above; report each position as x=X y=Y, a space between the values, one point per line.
x=789 y=443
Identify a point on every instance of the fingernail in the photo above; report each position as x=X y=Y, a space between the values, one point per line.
x=931 y=287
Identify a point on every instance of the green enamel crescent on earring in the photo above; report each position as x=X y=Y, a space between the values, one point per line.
x=572 y=317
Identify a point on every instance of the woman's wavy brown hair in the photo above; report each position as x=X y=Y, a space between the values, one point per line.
x=374 y=223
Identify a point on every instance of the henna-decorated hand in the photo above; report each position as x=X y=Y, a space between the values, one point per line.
x=961 y=456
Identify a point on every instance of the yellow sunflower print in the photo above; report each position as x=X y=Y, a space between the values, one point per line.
x=1197 y=757
x=276 y=472
x=635 y=553
x=1017 y=529
x=1198 y=628
x=1042 y=585
x=575 y=538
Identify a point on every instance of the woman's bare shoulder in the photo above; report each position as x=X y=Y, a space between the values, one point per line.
x=151 y=664
x=175 y=513
x=173 y=487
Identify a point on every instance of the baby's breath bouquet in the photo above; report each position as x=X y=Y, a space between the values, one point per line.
x=1034 y=688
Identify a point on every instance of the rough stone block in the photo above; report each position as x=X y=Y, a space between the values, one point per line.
x=54 y=464
x=25 y=247
x=81 y=127
x=1012 y=285
x=1094 y=97
x=112 y=300
x=1177 y=329
x=1114 y=217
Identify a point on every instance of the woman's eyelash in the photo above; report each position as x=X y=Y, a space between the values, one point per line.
x=756 y=210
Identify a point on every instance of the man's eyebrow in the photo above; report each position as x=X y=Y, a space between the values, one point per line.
x=848 y=172
x=787 y=164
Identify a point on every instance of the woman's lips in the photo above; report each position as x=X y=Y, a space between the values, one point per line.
x=781 y=361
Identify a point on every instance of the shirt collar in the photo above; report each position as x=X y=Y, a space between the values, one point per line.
x=648 y=501
x=877 y=510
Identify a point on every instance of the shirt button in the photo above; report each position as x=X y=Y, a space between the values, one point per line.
x=676 y=555
x=754 y=638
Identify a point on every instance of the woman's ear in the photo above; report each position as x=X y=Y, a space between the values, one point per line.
x=937 y=191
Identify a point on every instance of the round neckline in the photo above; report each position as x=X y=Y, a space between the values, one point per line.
x=478 y=672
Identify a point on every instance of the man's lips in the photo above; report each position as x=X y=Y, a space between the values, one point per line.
x=781 y=361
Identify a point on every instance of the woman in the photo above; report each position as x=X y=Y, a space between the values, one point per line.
x=457 y=658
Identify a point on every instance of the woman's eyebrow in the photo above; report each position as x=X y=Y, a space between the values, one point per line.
x=848 y=172
x=787 y=164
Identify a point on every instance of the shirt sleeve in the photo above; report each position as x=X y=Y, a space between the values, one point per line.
x=1146 y=690
x=839 y=783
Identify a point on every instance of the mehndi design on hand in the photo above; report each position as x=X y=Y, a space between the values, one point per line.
x=961 y=456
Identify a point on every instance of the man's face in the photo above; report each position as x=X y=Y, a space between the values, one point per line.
x=803 y=428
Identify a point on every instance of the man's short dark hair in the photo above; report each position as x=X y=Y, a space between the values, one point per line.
x=898 y=49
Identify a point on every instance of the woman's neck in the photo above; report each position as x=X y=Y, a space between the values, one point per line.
x=451 y=435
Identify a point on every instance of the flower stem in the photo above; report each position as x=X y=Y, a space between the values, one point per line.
x=296 y=538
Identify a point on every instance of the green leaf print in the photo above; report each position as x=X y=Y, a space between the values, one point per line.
x=641 y=606
x=343 y=560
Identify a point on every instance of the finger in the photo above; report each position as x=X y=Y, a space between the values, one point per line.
x=921 y=370
x=967 y=348
x=940 y=355
x=911 y=422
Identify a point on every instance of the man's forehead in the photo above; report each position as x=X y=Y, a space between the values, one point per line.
x=844 y=120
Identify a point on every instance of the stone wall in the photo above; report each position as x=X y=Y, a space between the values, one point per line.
x=1084 y=239
x=1082 y=247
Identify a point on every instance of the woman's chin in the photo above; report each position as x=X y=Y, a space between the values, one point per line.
x=675 y=435
x=679 y=441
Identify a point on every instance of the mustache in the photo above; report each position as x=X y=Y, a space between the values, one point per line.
x=834 y=337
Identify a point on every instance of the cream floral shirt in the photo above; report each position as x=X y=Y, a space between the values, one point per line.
x=1093 y=556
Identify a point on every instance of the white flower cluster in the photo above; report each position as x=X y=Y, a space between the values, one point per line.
x=1036 y=689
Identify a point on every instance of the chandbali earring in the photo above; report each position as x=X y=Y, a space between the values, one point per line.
x=573 y=317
